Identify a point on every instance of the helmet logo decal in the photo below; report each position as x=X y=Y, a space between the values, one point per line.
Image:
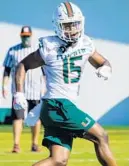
x=69 y=9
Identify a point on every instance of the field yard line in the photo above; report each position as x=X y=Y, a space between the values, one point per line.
x=71 y=160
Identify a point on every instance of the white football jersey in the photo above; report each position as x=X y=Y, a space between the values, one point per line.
x=63 y=69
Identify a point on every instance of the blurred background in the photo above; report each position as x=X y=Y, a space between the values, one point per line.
x=107 y=24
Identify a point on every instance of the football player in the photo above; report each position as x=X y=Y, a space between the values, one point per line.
x=64 y=57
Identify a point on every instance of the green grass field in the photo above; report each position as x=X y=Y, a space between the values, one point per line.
x=82 y=153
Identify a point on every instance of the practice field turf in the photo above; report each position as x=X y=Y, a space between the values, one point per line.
x=82 y=153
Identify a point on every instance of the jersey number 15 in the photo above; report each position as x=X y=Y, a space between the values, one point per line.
x=69 y=68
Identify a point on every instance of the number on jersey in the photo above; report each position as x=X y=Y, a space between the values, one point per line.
x=69 y=67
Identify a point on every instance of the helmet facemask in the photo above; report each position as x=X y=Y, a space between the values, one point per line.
x=71 y=31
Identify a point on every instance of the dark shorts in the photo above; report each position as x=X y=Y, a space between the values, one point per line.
x=20 y=113
x=62 y=122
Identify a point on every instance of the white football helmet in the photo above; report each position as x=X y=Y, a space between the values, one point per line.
x=68 y=22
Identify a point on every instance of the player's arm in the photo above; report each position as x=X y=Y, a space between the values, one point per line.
x=102 y=65
x=97 y=60
x=6 y=73
x=32 y=61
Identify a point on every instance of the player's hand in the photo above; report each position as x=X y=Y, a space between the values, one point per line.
x=19 y=101
x=104 y=72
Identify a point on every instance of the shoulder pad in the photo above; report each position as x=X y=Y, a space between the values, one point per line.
x=49 y=43
x=88 y=43
x=87 y=40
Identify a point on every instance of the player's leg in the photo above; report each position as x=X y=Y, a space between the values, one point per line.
x=35 y=130
x=35 y=136
x=17 y=117
x=58 y=157
x=56 y=139
x=83 y=122
x=67 y=114
x=17 y=129
x=98 y=135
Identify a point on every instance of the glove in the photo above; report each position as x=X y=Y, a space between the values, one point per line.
x=104 y=72
x=19 y=101
x=33 y=115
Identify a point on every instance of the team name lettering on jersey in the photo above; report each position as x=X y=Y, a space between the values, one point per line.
x=78 y=52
